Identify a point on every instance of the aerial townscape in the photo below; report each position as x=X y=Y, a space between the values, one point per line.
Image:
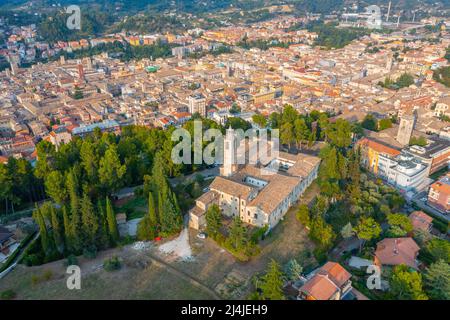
x=351 y=202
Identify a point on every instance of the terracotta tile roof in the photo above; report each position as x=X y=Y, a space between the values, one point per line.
x=420 y=220
x=230 y=187
x=441 y=187
x=378 y=147
x=208 y=197
x=395 y=251
x=320 y=287
x=270 y=197
x=336 y=272
x=326 y=282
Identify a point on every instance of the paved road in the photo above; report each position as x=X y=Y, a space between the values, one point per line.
x=424 y=206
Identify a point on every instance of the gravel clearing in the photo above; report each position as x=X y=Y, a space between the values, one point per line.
x=178 y=247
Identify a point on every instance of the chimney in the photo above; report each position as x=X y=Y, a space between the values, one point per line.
x=395 y=247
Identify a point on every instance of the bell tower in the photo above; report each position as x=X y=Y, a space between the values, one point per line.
x=229 y=154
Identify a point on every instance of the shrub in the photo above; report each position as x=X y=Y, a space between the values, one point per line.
x=320 y=255
x=71 y=260
x=90 y=252
x=441 y=226
x=35 y=279
x=47 y=275
x=112 y=264
x=7 y=295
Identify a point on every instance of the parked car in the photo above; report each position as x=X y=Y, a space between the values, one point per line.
x=206 y=189
x=201 y=235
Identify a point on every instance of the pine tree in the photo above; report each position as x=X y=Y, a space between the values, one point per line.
x=437 y=280
x=293 y=270
x=89 y=221
x=213 y=220
x=347 y=231
x=272 y=283
x=238 y=235
x=112 y=223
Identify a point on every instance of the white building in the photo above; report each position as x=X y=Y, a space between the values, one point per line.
x=405 y=172
x=259 y=195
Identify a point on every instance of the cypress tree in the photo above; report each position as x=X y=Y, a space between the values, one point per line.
x=67 y=229
x=89 y=220
x=112 y=223
x=45 y=241
x=103 y=223
x=58 y=236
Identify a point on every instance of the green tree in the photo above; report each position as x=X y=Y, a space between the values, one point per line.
x=57 y=230
x=237 y=235
x=147 y=228
x=406 y=284
x=213 y=221
x=259 y=120
x=405 y=80
x=339 y=134
x=367 y=229
x=321 y=233
x=399 y=224
x=370 y=122
x=437 y=280
x=43 y=232
x=272 y=283
x=68 y=237
x=287 y=135
x=439 y=249
x=293 y=270
x=303 y=215
x=112 y=222
x=55 y=187
x=384 y=124
x=301 y=131
x=90 y=222
x=111 y=170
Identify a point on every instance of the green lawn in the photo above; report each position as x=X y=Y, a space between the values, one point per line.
x=136 y=207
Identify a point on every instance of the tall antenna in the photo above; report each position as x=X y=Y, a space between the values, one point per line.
x=389 y=11
x=414 y=16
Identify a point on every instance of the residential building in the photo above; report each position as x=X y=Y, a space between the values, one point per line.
x=330 y=282
x=197 y=103
x=7 y=241
x=421 y=221
x=439 y=194
x=259 y=194
x=397 y=251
